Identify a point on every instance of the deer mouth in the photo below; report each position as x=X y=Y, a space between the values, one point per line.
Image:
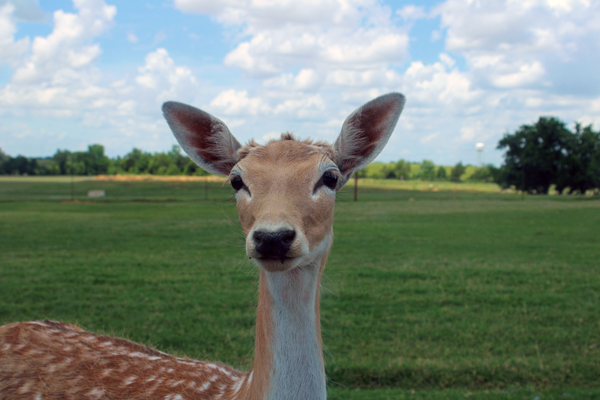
x=277 y=264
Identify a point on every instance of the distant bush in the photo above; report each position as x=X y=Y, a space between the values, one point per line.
x=457 y=172
x=483 y=174
x=427 y=172
x=441 y=175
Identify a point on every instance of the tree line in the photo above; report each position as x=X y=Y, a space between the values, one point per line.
x=95 y=162
x=536 y=157
x=425 y=171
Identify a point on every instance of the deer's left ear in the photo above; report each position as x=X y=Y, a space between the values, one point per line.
x=365 y=133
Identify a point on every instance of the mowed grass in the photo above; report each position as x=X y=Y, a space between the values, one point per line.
x=426 y=295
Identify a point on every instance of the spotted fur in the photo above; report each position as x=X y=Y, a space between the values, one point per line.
x=51 y=360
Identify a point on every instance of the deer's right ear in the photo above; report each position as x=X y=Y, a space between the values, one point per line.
x=205 y=138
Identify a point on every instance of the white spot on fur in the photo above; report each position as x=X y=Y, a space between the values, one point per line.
x=25 y=388
x=130 y=380
x=237 y=386
x=40 y=323
x=96 y=393
x=205 y=386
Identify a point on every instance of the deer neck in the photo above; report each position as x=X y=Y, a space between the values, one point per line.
x=288 y=361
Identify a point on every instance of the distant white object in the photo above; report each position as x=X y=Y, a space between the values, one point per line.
x=96 y=193
x=479 y=147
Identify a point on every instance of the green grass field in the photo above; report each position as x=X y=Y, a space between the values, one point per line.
x=427 y=295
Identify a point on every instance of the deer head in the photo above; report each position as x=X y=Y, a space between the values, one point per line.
x=285 y=190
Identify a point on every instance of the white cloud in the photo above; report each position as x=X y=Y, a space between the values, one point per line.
x=525 y=75
x=512 y=44
x=58 y=78
x=333 y=33
x=232 y=102
x=10 y=50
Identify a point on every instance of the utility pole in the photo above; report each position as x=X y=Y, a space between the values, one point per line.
x=206 y=188
x=356 y=186
x=72 y=181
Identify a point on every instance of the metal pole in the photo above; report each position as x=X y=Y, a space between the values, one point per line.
x=523 y=179
x=72 y=181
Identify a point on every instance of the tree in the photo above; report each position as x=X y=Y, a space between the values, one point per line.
x=482 y=174
x=533 y=155
x=427 y=170
x=441 y=175
x=580 y=167
x=402 y=169
x=129 y=162
x=4 y=158
x=388 y=171
x=62 y=157
x=457 y=171
x=94 y=160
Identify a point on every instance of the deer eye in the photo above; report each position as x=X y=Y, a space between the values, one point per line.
x=330 y=180
x=237 y=183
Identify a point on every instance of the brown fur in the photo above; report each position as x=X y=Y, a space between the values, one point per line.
x=55 y=361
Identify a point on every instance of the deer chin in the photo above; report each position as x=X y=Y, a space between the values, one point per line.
x=278 y=264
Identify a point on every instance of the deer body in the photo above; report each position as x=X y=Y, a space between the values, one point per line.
x=285 y=193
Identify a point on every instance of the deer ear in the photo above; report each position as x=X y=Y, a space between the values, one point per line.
x=365 y=133
x=205 y=138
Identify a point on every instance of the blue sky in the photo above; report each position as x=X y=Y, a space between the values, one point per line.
x=73 y=73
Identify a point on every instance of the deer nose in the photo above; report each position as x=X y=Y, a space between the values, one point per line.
x=273 y=244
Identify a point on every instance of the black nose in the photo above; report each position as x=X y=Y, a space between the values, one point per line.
x=273 y=244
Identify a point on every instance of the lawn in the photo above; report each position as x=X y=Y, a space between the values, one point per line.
x=431 y=295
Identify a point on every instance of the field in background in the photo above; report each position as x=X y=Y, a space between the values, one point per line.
x=415 y=168
x=429 y=186
x=128 y=187
x=431 y=295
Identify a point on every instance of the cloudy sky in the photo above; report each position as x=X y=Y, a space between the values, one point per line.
x=73 y=73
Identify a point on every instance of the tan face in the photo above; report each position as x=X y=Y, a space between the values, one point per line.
x=285 y=190
x=285 y=194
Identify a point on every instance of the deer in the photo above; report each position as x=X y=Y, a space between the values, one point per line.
x=285 y=192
